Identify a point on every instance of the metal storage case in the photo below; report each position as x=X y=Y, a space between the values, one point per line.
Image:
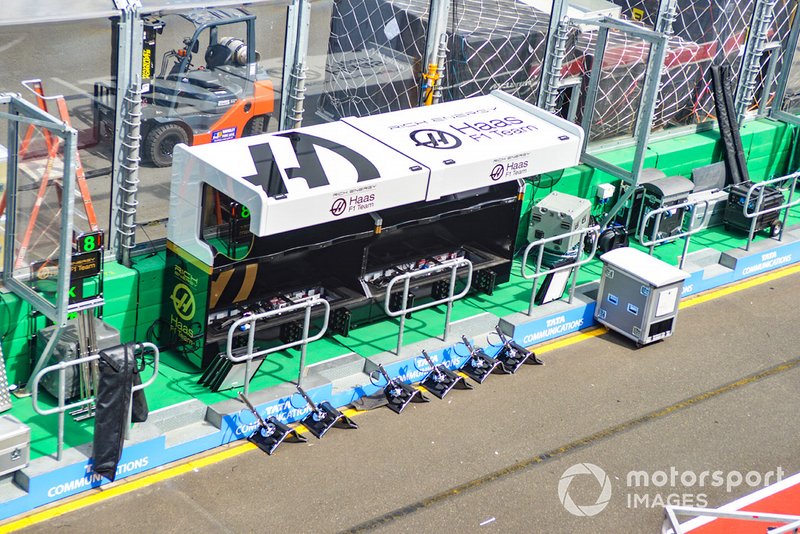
x=556 y=214
x=707 y=216
x=638 y=295
x=15 y=441
x=67 y=349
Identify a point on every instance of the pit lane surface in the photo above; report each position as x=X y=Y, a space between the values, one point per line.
x=720 y=395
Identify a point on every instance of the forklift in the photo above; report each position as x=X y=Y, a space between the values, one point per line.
x=226 y=97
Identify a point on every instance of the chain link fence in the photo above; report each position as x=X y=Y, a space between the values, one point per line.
x=376 y=52
x=376 y=48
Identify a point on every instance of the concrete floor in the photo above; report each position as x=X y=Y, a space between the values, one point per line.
x=720 y=395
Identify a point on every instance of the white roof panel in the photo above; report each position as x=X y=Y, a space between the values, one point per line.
x=643 y=266
x=317 y=174
x=477 y=142
x=311 y=175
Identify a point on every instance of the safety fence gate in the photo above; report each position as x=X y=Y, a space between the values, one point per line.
x=593 y=231
x=63 y=406
x=452 y=266
x=248 y=324
x=753 y=207
x=657 y=215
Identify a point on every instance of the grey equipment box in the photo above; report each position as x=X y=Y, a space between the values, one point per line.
x=707 y=217
x=556 y=214
x=68 y=349
x=662 y=193
x=15 y=444
x=638 y=295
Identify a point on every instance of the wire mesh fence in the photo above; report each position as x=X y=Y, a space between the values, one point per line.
x=376 y=49
x=376 y=52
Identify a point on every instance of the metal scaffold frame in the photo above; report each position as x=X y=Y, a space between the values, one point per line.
x=641 y=133
x=22 y=112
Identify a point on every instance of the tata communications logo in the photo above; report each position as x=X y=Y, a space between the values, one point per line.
x=435 y=139
x=584 y=510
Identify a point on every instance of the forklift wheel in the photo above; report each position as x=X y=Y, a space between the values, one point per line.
x=256 y=125
x=160 y=143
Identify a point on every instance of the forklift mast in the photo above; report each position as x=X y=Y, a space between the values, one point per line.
x=202 y=20
x=224 y=96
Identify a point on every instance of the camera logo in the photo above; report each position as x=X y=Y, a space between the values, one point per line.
x=586 y=510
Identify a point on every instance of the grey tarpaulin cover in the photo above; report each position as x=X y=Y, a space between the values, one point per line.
x=728 y=125
x=118 y=375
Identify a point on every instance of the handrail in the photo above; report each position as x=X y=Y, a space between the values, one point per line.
x=687 y=234
x=790 y=522
x=303 y=341
x=594 y=230
x=787 y=204
x=453 y=266
x=63 y=407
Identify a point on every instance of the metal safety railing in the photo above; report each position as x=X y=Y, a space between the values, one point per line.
x=248 y=324
x=773 y=50
x=786 y=205
x=791 y=523
x=657 y=215
x=453 y=266
x=576 y=265
x=63 y=406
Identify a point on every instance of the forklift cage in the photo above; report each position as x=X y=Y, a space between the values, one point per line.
x=216 y=19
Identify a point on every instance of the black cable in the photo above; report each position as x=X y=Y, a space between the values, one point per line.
x=153 y=249
x=8 y=325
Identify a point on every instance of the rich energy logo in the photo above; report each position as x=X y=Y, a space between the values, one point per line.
x=183 y=301
x=435 y=139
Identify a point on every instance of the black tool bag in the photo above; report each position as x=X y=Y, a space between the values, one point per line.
x=118 y=374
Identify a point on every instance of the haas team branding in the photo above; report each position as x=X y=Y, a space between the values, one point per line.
x=448 y=136
x=307 y=166
x=435 y=139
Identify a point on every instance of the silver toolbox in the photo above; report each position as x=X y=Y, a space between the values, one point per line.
x=15 y=444
x=711 y=215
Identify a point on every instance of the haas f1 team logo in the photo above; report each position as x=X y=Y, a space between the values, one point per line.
x=435 y=139
x=338 y=207
x=308 y=165
x=497 y=172
x=183 y=301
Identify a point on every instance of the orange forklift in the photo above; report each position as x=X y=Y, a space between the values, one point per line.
x=226 y=97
